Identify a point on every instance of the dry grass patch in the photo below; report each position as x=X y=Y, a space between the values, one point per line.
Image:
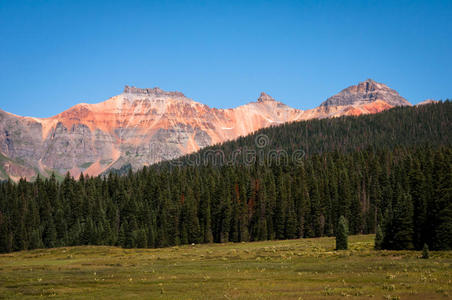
x=290 y=269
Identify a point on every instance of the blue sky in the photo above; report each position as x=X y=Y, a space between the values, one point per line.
x=54 y=54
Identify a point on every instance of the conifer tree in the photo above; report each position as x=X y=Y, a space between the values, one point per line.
x=205 y=218
x=261 y=230
x=141 y=239
x=442 y=203
x=403 y=223
x=378 y=238
x=425 y=252
x=342 y=234
x=122 y=236
x=35 y=240
x=419 y=198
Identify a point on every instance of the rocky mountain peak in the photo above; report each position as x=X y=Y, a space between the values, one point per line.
x=366 y=92
x=156 y=91
x=370 y=85
x=265 y=97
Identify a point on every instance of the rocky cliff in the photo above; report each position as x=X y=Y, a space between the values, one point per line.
x=143 y=126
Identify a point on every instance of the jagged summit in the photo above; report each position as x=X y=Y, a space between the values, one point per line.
x=265 y=97
x=366 y=92
x=156 y=91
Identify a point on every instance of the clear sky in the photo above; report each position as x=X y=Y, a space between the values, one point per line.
x=54 y=54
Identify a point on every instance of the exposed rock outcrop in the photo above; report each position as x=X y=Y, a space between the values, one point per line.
x=264 y=97
x=366 y=92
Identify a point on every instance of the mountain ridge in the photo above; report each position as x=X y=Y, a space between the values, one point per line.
x=142 y=126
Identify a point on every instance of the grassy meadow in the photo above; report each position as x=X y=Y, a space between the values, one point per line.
x=289 y=269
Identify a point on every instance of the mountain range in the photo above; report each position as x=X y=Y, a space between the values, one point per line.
x=144 y=126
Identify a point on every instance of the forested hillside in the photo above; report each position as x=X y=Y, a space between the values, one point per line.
x=391 y=169
x=401 y=126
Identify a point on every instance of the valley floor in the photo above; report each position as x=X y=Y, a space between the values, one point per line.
x=290 y=269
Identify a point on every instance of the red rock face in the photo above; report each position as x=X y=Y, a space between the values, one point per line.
x=140 y=127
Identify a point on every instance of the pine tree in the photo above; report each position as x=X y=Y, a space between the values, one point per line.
x=205 y=218
x=281 y=208
x=342 y=234
x=244 y=235
x=35 y=240
x=50 y=234
x=403 y=223
x=378 y=238
x=442 y=203
x=141 y=239
x=122 y=236
x=190 y=222
x=425 y=252
x=388 y=228
x=419 y=197
x=261 y=230
x=225 y=219
x=61 y=228
x=316 y=214
x=74 y=235
x=291 y=224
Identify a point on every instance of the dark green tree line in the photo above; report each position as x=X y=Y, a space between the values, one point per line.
x=158 y=207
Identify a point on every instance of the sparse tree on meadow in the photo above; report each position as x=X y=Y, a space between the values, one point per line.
x=342 y=234
x=378 y=238
x=425 y=252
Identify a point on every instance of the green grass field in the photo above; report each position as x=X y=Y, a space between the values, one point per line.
x=291 y=269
